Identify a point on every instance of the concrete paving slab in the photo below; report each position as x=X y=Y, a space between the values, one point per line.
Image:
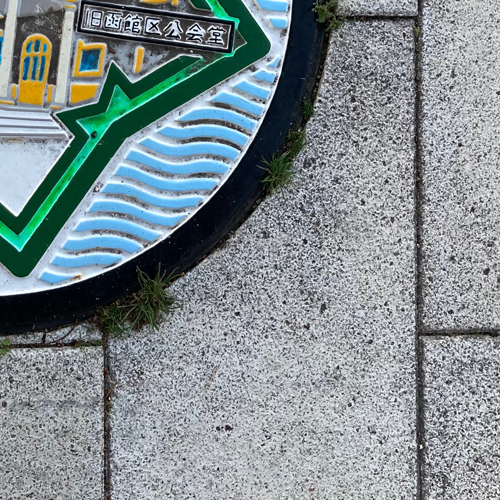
x=461 y=160
x=51 y=424
x=378 y=8
x=462 y=418
x=289 y=373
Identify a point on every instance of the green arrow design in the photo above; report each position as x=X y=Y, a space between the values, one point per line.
x=99 y=129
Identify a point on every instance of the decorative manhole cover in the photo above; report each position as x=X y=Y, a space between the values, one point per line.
x=130 y=134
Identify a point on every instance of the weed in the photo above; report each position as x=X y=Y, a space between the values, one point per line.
x=110 y=319
x=326 y=12
x=4 y=347
x=307 y=109
x=295 y=143
x=141 y=308
x=279 y=171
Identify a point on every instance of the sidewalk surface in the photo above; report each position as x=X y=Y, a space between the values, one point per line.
x=343 y=343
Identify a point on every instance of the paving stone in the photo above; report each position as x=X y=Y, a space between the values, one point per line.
x=462 y=418
x=51 y=424
x=461 y=159
x=378 y=7
x=289 y=372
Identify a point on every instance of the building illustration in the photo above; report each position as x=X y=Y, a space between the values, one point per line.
x=37 y=52
x=47 y=66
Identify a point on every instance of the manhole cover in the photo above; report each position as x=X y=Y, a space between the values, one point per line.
x=130 y=135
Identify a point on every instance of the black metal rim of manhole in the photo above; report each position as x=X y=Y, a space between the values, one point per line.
x=223 y=213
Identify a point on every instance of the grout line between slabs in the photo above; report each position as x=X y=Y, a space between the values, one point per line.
x=367 y=18
x=57 y=345
x=469 y=333
x=108 y=394
x=419 y=354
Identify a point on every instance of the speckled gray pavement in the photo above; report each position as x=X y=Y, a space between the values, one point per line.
x=462 y=417
x=460 y=164
x=378 y=7
x=51 y=424
x=289 y=372
x=344 y=343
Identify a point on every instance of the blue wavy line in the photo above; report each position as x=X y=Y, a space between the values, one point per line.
x=53 y=278
x=265 y=76
x=193 y=167
x=129 y=209
x=279 y=22
x=104 y=241
x=160 y=201
x=176 y=185
x=277 y=5
x=224 y=115
x=274 y=63
x=238 y=102
x=122 y=226
x=205 y=131
x=90 y=259
x=252 y=89
x=194 y=148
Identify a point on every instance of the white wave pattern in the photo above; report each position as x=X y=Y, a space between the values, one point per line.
x=166 y=177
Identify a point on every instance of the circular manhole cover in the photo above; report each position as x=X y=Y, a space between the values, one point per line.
x=130 y=135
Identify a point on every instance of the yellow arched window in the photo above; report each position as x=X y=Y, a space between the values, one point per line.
x=34 y=70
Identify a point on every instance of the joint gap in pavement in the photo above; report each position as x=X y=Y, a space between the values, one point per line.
x=420 y=420
x=419 y=375
x=57 y=345
x=467 y=333
x=109 y=394
x=367 y=18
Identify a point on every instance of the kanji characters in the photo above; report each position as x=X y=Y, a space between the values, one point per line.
x=216 y=35
x=113 y=20
x=152 y=26
x=95 y=18
x=158 y=26
x=132 y=24
x=174 y=30
x=195 y=33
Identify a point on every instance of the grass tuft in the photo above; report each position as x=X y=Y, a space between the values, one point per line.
x=279 y=171
x=143 y=308
x=110 y=319
x=4 y=347
x=326 y=13
x=307 y=109
x=295 y=142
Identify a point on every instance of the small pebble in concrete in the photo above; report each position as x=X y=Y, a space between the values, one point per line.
x=461 y=164
x=289 y=372
x=462 y=418
x=51 y=424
